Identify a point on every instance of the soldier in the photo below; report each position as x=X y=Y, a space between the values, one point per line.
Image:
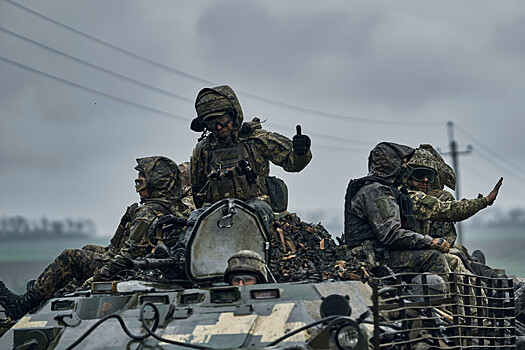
x=423 y=173
x=245 y=267
x=379 y=220
x=232 y=160
x=159 y=187
x=435 y=208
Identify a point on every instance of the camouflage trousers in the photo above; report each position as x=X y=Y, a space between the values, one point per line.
x=95 y=248
x=417 y=261
x=72 y=265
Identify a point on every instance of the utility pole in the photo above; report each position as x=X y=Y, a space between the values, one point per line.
x=454 y=153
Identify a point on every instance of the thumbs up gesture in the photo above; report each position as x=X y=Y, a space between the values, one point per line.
x=301 y=143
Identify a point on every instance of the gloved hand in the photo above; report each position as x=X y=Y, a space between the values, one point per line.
x=301 y=143
x=440 y=244
x=114 y=266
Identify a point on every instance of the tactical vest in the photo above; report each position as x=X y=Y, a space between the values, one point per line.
x=231 y=174
x=358 y=230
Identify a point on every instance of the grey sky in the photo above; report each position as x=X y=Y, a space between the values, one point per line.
x=68 y=152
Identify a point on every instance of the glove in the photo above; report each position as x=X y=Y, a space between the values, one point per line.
x=301 y=143
x=440 y=244
x=114 y=266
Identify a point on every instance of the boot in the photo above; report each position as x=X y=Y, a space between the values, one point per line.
x=16 y=306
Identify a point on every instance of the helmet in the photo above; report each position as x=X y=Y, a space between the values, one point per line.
x=423 y=158
x=445 y=175
x=246 y=261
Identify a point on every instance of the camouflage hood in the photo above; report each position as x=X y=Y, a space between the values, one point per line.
x=163 y=179
x=219 y=99
x=445 y=174
x=386 y=158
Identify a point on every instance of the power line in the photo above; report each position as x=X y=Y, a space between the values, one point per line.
x=126 y=52
x=134 y=81
x=339 y=148
x=331 y=137
x=201 y=80
x=512 y=193
x=500 y=166
x=78 y=60
x=487 y=149
x=78 y=86
x=143 y=107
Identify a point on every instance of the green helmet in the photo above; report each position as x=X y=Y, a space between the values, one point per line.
x=246 y=261
x=423 y=158
x=445 y=175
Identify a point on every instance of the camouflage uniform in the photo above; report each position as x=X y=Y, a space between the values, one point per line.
x=187 y=198
x=428 y=208
x=164 y=186
x=437 y=210
x=132 y=239
x=374 y=214
x=248 y=142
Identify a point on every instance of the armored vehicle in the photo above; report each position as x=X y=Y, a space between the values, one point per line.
x=201 y=311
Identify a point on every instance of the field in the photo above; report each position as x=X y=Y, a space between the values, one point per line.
x=22 y=260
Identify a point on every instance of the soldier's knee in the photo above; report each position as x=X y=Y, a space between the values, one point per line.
x=438 y=261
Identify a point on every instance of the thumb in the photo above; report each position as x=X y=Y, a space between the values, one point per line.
x=298 y=128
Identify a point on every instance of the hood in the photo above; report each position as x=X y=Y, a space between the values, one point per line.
x=386 y=158
x=217 y=99
x=445 y=174
x=163 y=178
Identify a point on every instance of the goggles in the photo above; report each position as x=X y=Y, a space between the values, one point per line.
x=140 y=184
x=246 y=279
x=222 y=121
x=420 y=174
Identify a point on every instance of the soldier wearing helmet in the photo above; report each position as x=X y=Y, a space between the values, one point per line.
x=379 y=223
x=232 y=159
x=244 y=268
x=159 y=188
x=423 y=174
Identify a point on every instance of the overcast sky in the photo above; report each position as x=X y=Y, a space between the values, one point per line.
x=88 y=86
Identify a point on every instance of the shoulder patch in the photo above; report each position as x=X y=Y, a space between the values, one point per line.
x=384 y=209
x=428 y=201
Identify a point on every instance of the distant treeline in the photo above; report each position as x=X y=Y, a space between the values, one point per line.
x=499 y=217
x=19 y=227
x=513 y=217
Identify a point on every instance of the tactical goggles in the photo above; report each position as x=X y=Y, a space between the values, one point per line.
x=222 y=121
x=420 y=174
x=246 y=279
x=140 y=184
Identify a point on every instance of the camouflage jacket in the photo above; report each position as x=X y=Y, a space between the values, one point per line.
x=428 y=208
x=263 y=145
x=442 y=229
x=375 y=204
x=141 y=240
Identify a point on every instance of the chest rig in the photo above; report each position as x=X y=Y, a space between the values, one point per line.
x=231 y=174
